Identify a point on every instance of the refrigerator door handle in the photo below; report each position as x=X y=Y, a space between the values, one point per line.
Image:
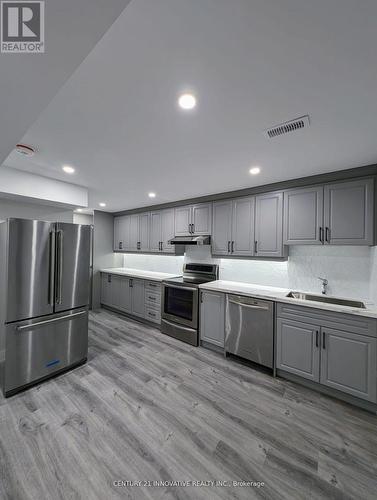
x=51 y=277
x=53 y=320
x=59 y=269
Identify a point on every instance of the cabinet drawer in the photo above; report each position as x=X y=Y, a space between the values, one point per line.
x=152 y=299
x=339 y=321
x=153 y=286
x=153 y=315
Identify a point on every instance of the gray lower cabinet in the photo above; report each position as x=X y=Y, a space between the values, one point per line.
x=349 y=212
x=348 y=363
x=297 y=348
x=137 y=297
x=334 y=349
x=269 y=225
x=212 y=318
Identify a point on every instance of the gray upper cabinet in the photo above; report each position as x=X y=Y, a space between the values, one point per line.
x=212 y=318
x=155 y=237
x=269 y=225
x=243 y=226
x=202 y=218
x=334 y=214
x=193 y=219
x=121 y=232
x=303 y=216
x=349 y=209
x=348 y=363
x=144 y=232
x=222 y=227
x=297 y=348
x=167 y=230
x=134 y=233
x=183 y=221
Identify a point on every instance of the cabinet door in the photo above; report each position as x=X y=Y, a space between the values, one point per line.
x=106 y=289
x=212 y=318
x=348 y=363
x=202 y=218
x=115 y=291
x=183 y=220
x=349 y=212
x=243 y=226
x=269 y=225
x=125 y=303
x=303 y=216
x=134 y=232
x=138 y=299
x=155 y=237
x=118 y=243
x=297 y=348
x=221 y=227
x=144 y=232
x=167 y=230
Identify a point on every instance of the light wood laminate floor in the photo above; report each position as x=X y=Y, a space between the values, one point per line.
x=147 y=407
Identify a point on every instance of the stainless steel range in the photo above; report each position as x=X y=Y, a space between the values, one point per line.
x=180 y=301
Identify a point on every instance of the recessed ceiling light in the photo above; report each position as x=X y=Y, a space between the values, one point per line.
x=152 y=195
x=68 y=169
x=187 y=101
x=254 y=170
x=102 y=204
x=78 y=209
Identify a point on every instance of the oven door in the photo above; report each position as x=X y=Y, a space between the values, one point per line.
x=180 y=304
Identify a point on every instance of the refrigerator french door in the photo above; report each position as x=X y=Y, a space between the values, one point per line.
x=47 y=295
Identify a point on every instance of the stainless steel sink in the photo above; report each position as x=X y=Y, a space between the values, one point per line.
x=327 y=300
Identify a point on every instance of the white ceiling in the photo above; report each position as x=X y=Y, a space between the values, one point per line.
x=29 y=81
x=251 y=64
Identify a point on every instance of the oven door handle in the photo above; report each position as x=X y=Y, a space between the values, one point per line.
x=181 y=287
x=181 y=327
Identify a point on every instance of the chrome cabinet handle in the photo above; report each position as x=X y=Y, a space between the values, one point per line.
x=153 y=285
x=327 y=234
x=316 y=338
x=189 y=226
x=232 y=250
x=255 y=247
x=131 y=284
x=109 y=278
x=152 y=314
x=321 y=235
x=193 y=228
x=48 y=321
x=228 y=246
x=151 y=298
x=120 y=245
x=324 y=340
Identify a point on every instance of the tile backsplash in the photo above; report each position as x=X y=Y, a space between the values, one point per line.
x=351 y=271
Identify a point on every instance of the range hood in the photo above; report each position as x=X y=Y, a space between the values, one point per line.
x=191 y=240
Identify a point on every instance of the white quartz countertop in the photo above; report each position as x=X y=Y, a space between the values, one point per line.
x=138 y=273
x=280 y=295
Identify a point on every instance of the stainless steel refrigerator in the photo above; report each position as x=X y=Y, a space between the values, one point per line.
x=44 y=297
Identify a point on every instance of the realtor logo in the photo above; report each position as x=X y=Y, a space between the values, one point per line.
x=22 y=27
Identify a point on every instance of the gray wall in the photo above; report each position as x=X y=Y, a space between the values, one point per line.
x=103 y=255
x=11 y=208
x=82 y=219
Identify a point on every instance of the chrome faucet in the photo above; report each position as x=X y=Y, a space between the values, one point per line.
x=324 y=285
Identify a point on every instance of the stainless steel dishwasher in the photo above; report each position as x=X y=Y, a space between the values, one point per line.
x=250 y=329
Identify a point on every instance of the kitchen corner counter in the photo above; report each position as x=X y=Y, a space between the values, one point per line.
x=280 y=295
x=138 y=273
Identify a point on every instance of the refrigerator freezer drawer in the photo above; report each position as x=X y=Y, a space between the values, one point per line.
x=39 y=348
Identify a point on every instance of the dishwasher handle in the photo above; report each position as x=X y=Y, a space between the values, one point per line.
x=249 y=306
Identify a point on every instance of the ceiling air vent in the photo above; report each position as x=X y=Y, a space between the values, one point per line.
x=291 y=126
